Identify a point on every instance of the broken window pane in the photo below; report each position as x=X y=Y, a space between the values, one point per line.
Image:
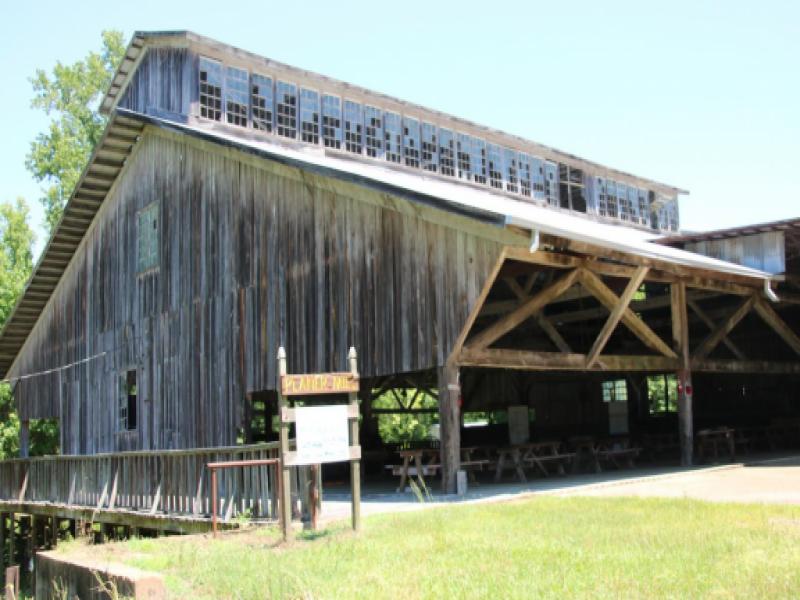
x=644 y=207
x=309 y=116
x=286 y=109
x=495 y=157
x=447 y=152
x=511 y=164
x=611 y=199
x=332 y=121
x=430 y=153
x=525 y=175
x=236 y=96
x=393 y=136
x=537 y=169
x=262 y=102
x=353 y=127
x=210 y=89
x=622 y=202
x=551 y=183
x=478 y=160
x=411 y=142
x=373 y=126
x=633 y=203
x=464 y=156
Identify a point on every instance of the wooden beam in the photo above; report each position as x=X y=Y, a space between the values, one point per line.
x=771 y=318
x=724 y=328
x=550 y=330
x=560 y=361
x=616 y=314
x=631 y=320
x=515 y=287
x=712 y=326
x=698 y=279
x=476 y=308
x=761 y=367
x=536 y=303
x=544 y=323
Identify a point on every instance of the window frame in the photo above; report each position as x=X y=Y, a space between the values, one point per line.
x=152 y=240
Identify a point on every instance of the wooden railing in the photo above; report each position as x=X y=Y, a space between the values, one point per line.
x=172 y=482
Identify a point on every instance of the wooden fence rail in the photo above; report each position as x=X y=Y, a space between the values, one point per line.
x=172 y=482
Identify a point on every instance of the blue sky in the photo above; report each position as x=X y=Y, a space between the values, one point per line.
x=702 y=95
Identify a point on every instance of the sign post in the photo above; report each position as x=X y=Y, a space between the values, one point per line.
x=323 y=433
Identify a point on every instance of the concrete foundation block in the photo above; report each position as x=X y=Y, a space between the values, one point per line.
x=59 y=576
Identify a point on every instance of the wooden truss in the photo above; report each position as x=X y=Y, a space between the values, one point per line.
x=587 y=272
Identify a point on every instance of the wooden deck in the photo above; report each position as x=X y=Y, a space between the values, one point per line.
x=166 y=490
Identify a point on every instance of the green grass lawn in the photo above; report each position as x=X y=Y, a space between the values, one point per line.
x=543 y=547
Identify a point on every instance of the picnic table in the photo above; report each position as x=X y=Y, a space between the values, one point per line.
x=423 y=462
x=617 y=452
x=534 y=454
x=712 y=439
x=585 y=449
x=659 y=444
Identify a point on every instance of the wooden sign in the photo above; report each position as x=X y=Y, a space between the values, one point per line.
x=318 y=383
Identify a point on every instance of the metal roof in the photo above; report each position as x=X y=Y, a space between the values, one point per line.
x=786 y=225
x=124 y=130
x=470 y=200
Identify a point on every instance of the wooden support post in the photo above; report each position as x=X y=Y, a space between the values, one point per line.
x=286 y=481
x=449 y=426
x=680 y=337
x=3 y=538
x=355 y=465
x=12 y=538
x=24 y=438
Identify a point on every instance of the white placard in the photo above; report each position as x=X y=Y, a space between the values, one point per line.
x=322 y=434
x=519 y=431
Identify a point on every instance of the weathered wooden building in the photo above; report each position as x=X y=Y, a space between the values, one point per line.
x=235 y=205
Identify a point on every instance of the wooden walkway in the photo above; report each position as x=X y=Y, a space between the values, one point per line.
x=168 y=490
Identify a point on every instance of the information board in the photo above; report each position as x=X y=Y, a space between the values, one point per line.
x=322 y=434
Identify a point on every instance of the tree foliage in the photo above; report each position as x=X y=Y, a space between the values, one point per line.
x=16 y=262
x=70 y=95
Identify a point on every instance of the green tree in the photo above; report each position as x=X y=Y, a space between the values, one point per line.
x=70 y=96
x=16 y=262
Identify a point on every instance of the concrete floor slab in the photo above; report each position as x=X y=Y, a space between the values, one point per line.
x=767 y=479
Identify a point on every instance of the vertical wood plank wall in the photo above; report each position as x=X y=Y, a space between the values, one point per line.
x=253 y=255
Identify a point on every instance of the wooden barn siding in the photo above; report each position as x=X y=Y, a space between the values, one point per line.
x=164 y=82
x=275 y=249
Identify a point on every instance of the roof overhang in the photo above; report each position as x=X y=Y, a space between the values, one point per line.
x=105 y=164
